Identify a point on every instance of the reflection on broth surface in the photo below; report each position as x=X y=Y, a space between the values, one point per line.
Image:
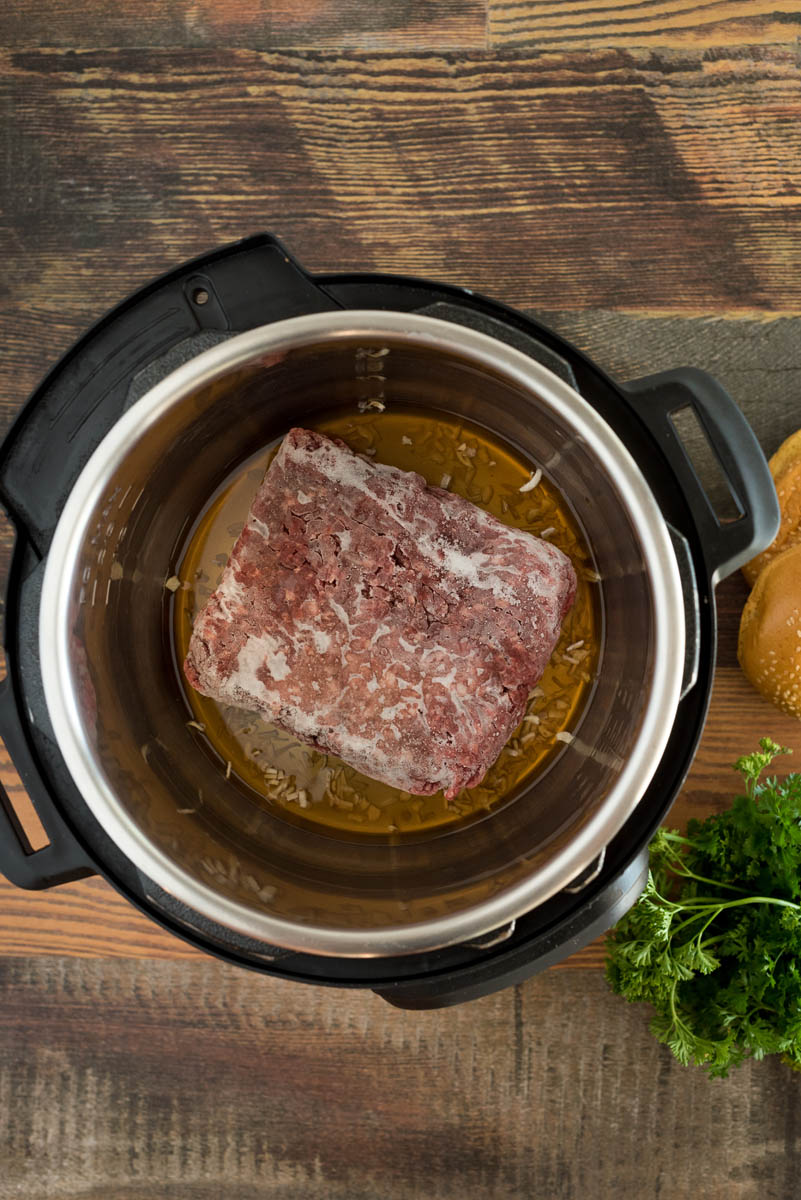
x=306 y=785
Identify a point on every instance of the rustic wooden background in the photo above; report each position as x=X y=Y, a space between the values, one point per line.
x=631 y=173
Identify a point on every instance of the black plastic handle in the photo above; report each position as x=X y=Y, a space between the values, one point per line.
x=63 y=860
x=727 y=545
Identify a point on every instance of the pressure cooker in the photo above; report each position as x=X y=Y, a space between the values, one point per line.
x=109 y=464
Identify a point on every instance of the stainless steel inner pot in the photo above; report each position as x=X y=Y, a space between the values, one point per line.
x=112 y=685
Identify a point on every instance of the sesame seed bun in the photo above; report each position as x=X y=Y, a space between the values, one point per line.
x=785 y=467
x=769 y=647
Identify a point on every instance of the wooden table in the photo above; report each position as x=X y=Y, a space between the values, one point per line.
x=630 y=174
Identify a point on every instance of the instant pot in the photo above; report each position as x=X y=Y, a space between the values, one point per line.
x=111 y=462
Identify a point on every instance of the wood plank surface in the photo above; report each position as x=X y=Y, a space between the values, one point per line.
x=570 y=24
x=256 y=24
x=637 y=180
x=629 y=172
x=410 y=24
x=195 y=1081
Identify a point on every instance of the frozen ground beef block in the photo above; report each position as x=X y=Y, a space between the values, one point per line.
x=392 y=623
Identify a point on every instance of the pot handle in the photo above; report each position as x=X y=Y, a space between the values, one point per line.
x=727 y=545
x=62 y=860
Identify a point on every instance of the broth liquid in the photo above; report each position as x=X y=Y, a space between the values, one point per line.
x=306 y=785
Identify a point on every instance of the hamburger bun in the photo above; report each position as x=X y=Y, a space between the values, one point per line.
x=785 y=467
x=769 y=647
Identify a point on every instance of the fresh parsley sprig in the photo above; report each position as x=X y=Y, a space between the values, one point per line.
x=714 y=942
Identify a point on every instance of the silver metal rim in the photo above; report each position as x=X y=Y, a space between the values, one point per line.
x=657 y=719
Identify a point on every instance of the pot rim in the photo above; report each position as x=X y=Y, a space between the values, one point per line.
x=658 y=714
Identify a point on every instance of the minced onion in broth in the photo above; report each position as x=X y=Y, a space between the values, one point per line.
x=306 y=785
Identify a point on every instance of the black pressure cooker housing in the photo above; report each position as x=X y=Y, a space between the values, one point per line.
x=253 y=283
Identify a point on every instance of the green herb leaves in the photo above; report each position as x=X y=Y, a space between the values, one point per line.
x=714 y=942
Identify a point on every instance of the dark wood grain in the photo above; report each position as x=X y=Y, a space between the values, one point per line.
x=255 y=24
x=193 y=1081
x=401 y=24
x=569 y=24
x=662 y=182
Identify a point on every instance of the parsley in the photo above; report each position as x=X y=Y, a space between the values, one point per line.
x=714 y=942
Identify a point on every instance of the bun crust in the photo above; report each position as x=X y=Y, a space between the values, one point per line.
x=785 y=467
x=769 y=647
